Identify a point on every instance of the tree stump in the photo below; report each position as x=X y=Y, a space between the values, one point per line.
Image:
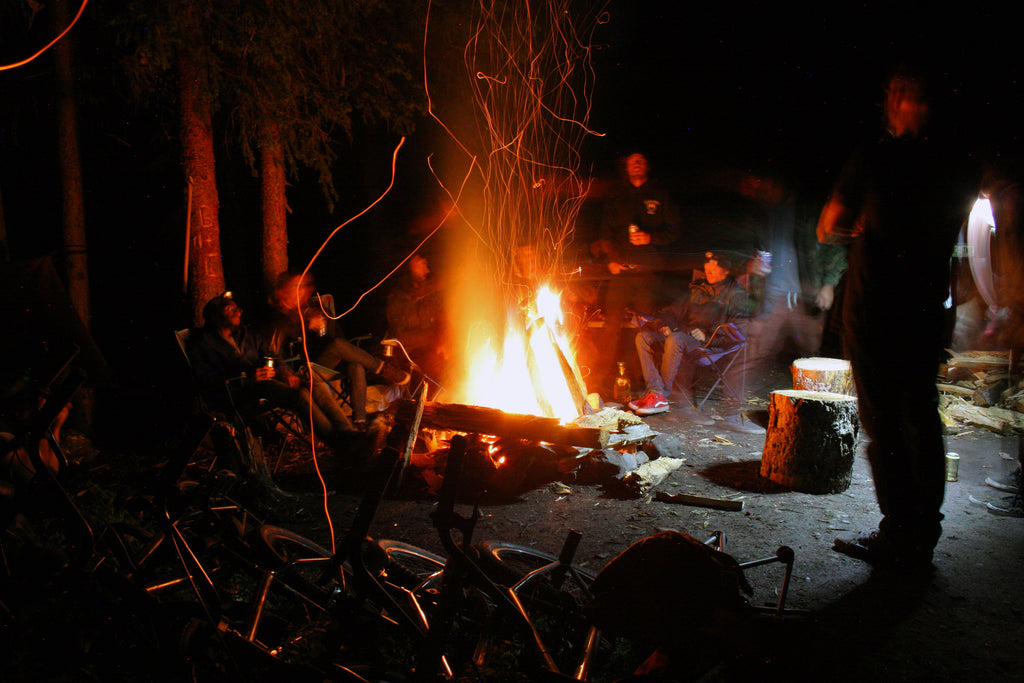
x=811 y=440
x=823 y=374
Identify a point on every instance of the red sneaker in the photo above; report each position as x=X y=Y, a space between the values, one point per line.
x=652 y=403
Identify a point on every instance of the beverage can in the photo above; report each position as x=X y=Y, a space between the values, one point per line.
x=952 y=466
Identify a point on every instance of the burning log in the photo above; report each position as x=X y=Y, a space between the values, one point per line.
x=822 y=374
x=811 y=440
x=494 y=422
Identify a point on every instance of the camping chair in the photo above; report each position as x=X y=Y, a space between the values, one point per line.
x=718 y=355
x=274 y=424
x=336 y=380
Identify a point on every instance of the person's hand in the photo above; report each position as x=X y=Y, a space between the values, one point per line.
x=614 y=267
x=318 y=325
x=757 y=266
x=698 y=334
x=293 y=380
x=826 y=295
x=263 y=373
x=638 y=237
x=665 y=330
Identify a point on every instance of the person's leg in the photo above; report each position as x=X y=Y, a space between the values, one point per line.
x=298 y=401
x=326 y=401
x=340 y=350
x=906 y=450
x=358 y=362
x=357 y=391
x=677 y=346
x=647 y=343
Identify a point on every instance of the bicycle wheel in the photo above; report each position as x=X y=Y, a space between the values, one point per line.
x=403 y=564
x=304 y=565
x=552 y=596
x=509 y=563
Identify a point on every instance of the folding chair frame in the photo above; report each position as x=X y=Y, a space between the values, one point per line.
x=708 y=357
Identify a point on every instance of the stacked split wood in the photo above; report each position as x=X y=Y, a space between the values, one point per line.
x=975 y=389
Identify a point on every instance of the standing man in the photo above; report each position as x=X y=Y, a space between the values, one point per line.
x=898 y=207
x=639 y=221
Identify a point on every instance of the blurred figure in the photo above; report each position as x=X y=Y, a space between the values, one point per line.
x=898 y=205
x=797 y=272
x=1006 y=328
x=715 y=297
x=639 y=221
x=415 y=314
x=293 y=303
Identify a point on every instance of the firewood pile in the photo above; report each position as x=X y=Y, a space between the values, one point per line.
x=975 y=389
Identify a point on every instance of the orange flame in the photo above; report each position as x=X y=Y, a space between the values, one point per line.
x=534 y=370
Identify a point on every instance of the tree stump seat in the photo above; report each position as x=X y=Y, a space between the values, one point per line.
x=823 y=374
x=811 y=440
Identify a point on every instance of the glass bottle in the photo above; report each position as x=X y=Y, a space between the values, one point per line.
x=622 y=391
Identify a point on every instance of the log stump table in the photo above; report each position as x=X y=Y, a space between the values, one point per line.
x=823 y=374
x=811 y=440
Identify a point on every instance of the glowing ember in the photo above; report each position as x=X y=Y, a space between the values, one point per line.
x=534 y=370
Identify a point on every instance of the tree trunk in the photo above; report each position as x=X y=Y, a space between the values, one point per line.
x=5 y=252
x=275 y=204
x=205 y=270
x=75 y=266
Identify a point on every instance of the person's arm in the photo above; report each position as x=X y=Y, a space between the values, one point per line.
x=839 y=222
x=841 y=219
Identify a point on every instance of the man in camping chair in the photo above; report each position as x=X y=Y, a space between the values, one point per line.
x=714 y=297
x=294 y=293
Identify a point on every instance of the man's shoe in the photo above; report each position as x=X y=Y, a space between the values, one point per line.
x=392 y=375
x=1007 y=506
x=879 y=551
x=652 y=403
x=739 y=423
x=694 y=416
x=1009 y=483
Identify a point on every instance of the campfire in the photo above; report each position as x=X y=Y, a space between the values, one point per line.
x=530 y=368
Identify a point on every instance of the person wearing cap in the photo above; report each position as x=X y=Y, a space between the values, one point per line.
x=714 y=297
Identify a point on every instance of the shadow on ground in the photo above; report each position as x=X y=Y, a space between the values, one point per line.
x=742 y=476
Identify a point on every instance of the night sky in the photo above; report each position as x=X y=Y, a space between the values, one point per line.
x=693 y=84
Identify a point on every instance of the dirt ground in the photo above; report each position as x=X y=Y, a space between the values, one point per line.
x=967 y=622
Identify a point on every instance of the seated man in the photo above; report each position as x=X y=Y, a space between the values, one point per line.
x=714 y=297
x=225 y=349
x=294 y=295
